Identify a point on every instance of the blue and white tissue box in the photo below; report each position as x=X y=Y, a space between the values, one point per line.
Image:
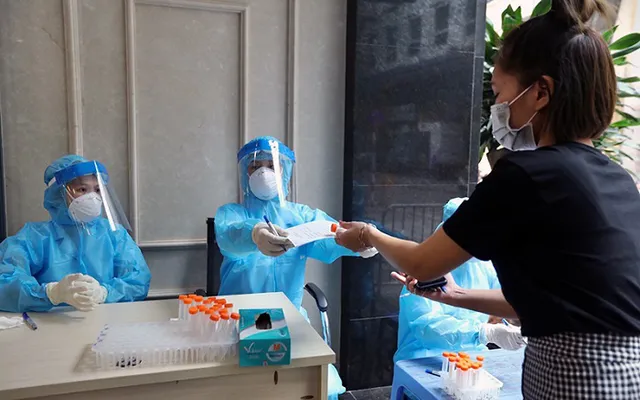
x=264 y=338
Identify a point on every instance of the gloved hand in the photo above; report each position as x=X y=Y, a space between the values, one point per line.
x=95 y=291
x=67 y=291
x=507 y=337
x=268 y=243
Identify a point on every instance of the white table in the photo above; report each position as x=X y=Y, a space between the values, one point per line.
x=52 y=362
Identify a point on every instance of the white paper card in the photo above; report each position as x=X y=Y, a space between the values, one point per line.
x=310 y=232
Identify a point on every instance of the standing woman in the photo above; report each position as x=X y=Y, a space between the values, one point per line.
x=561 y=223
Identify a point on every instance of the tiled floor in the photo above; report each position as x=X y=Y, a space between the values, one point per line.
x=382 y=393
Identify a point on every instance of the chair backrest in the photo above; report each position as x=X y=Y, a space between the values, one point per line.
x=214 y=259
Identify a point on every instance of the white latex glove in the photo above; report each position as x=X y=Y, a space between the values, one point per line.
x=268 y=243
x=508 y=337
x=66 y=291
x=95 y=291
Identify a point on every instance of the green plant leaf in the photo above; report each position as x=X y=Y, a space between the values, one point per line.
x=492 y=35
x=518 y=15
x=626 y=90
x=625 y=155
x=541 y=8
x=509 y=23
x=489 y=53
x=509 y=20
x=625 y=123
x=608 y=35
x=626 y=51
x=620 y=61
x=631 y=79
x=508 y=11
x=625 y=41
x=626 y=115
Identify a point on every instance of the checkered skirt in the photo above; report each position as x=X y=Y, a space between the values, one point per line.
x=582 y=366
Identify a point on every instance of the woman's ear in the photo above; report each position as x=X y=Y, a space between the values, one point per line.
x=544 y=90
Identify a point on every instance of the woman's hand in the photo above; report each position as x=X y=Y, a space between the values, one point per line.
x=449 y=295
x=353 y=236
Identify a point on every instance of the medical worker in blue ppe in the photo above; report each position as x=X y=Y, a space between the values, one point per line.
x=256 y=259
x=83 y=256
x=427 y=328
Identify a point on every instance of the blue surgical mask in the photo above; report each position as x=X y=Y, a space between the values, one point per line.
x=512 y=139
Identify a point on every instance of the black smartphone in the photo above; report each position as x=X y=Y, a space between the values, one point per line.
x=432 y=285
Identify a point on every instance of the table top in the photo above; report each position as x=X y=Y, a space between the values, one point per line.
x=53 y=359
x=504 y=365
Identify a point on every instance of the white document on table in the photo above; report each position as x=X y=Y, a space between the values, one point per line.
x=310 y=232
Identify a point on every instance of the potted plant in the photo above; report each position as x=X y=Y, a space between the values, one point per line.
x=614 y=140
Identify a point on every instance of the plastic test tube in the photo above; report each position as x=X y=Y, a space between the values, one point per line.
x=217 y=307
x=198 y=300
x=445 y=362
x=193 y=320
x=225 y=331
x=206 y=324
x=452 y=367
x=475 y=373
x=186 y=304
x=228 y=306
x=235 y=317
x=181 y=298
x=465 y=376
x=214 y=322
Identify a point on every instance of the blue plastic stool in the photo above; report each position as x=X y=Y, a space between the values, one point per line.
x=410 y=378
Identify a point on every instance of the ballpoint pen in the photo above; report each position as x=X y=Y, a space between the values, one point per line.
x=273 y=230
x=428 y=371
x=27 y=320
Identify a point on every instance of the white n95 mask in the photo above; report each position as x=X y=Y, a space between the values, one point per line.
x=512 y=139
x=86 y=208
x=263 y=184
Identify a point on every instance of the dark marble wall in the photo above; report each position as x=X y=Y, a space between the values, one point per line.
x=414 y=71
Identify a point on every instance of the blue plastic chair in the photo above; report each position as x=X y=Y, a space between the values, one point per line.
x=411 y=380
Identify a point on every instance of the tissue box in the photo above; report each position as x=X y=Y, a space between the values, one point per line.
x=264 y=338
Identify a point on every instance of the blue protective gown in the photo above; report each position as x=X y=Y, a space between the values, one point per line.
x=44 y=252
x=427 y=328
x=245 y=270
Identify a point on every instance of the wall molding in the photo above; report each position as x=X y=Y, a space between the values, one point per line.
x=174 y=244
x=73 y=69
x=292 y=69
x=172 y=292
x=130 y=26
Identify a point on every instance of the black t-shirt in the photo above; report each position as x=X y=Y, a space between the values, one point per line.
x=561 y=225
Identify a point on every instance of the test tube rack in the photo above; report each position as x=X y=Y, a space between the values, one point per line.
x=463 y=383
x=203 y=332
x=152 y=344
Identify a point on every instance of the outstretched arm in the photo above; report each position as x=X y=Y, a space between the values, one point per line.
x=233 y=231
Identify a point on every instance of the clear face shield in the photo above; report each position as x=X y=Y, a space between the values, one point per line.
x=89 y=197
x=265 y=171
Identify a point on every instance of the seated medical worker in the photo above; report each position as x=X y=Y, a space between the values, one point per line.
x=257 y=260
x=83 y=256
x=427 y=328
